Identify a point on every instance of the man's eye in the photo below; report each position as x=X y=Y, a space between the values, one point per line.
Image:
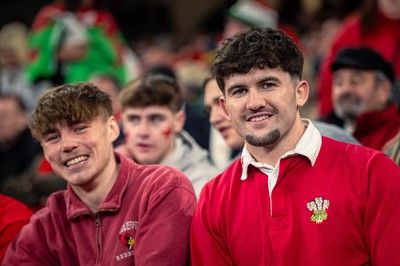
x=268 y=85
x=51 y=138
x=238 y=92
x=356 y=81
x=133 y=119
x=80 y=128
x=157 y=119
x=337 y=82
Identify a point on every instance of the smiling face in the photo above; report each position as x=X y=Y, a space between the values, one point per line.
x=82 y=153
x=150 y=132
x=76 y=128
x=218 y=119
x=263 y=106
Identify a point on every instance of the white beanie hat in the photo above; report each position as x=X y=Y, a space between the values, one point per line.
x=253 y=13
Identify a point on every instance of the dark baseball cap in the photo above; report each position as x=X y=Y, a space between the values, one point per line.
x=362 y=58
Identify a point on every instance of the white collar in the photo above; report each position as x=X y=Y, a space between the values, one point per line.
x=308 y=145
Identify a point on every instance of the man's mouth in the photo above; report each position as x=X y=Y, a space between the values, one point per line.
x=143 y=145
x=259 y=118
x=223 y=128
x=76 y=160
x=350 y=99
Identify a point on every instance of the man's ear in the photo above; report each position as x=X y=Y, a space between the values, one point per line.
x=222 y=103
x=385 y=91
x=114 y=128
x=179 y=121
x=302 y=93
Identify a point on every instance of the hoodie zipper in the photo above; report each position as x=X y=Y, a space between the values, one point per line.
x=98 y=236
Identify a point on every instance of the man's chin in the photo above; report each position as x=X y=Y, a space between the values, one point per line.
x=348 y=113
x=145 y=161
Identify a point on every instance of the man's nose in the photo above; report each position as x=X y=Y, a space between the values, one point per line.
x=254 y=101
x=68 y=143
x=216 y=115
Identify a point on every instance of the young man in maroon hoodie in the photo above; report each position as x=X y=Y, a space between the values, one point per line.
x=294 y=197
x=114 y=212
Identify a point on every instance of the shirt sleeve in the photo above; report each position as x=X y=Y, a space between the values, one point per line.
x=30 y=247
x=8 y=234
x=382 y=230
x=207 y=246
x=162 y=237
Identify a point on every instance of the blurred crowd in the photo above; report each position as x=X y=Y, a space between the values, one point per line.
x=352 y=62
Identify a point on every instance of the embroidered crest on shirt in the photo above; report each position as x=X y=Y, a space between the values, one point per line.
x=126 y=238
x=126 y=234
x=318 y=207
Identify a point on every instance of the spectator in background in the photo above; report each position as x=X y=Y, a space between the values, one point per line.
x=153 y=120
x=361 y=96
x=295 y=196
x=72 y=39
x=114 y=211
x=221 y=124
x=13 y=216
x=375 y=25
x=17 y=147
x=254 y=13
x=112 y=86
x=247 y=13
x=13 y=59
x=196 y=123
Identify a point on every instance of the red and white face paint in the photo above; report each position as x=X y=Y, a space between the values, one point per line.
x=150 y=132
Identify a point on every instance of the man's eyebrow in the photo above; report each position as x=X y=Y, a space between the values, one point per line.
x=155 y=115
x=49 y=131
x=258 y=82
x=268 y=78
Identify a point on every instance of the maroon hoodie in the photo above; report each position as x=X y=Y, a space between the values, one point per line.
x=144 y=220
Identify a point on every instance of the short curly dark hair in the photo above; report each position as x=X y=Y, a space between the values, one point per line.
x=69 y=104
x=257 y=48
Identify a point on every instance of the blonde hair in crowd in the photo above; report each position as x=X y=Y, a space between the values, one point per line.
x=14 y=37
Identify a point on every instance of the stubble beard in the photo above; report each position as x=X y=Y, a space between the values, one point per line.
x=266 y=140
x=349 y=107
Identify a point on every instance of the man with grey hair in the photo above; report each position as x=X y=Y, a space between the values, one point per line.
x=362 y=96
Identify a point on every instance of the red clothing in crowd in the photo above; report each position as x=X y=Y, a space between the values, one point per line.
x=13 y=216
x=144 y=220
x=375 y=129
x=343 y=210
x=385 y=39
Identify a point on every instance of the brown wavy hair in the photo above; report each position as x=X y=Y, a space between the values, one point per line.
x=68 y=105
